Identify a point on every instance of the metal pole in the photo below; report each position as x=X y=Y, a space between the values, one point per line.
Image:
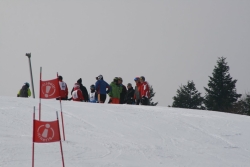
x=31 y=76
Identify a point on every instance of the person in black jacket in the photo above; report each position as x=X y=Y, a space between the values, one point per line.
x=124 y=91
x=83 y=89
x=129 y=98
x=24 y=91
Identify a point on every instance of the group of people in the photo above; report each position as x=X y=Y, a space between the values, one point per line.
x=117 y=92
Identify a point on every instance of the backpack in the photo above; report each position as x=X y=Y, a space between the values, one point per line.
x=24 y=91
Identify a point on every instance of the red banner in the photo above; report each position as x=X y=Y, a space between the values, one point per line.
x=49 y=89
x=46 y=132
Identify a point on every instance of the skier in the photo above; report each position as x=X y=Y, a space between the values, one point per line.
x=93 y=97
x=83 y=89
x=63 y=89
x=77 y=93
x=124 y=90
x=101 y=89
x=24 y=91
x=144 y=90
x=115 y=92
x=137 y=95
x=129 y=98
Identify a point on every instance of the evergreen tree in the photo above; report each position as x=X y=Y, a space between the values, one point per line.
x=188 y=97
x=243 y=105
x=221 y=92
x=247 y=104
x=152 y=94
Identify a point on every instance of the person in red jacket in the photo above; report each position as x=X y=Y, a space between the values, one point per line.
x=137 y=95
x=144 y=90
x=77 y=93
x=63 y=89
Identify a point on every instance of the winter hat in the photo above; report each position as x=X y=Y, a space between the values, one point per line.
x=60 y=77
x=115 y=79
x=119 y=78
x=79 y=81
x=129 y=84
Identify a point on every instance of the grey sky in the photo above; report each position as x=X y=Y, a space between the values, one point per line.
x=168 y=42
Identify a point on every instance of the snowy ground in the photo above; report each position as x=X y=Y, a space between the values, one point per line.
x=103 y=135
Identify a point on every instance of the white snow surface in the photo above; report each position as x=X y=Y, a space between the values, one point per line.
x=105 y=135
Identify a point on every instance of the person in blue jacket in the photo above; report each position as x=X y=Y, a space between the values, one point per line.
x=102 y=89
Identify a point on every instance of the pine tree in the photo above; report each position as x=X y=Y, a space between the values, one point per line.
x=152 y=94
x=221 y=92
x=247 y=102
x=188 y=97
x=243 y=105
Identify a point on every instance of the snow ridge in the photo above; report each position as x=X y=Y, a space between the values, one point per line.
x=104 y=135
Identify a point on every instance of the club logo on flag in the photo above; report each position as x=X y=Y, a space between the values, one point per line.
x=50 y=89
x=45 y=132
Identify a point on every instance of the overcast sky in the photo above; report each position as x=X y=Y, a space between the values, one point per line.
x=168 y=42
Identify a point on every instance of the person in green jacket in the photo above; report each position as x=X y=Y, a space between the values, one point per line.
x=115 y=92
x=24 y=91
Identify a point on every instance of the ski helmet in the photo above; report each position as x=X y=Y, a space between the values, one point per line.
x=136 y=79
x=27 y=84
x=100 y=77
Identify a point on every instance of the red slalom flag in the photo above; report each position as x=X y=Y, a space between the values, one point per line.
x=46 y=132
x=49 y=89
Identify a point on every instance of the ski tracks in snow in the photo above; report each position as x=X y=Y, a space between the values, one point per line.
x=122 y=135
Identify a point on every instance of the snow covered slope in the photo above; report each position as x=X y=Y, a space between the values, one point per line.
x=103 y=135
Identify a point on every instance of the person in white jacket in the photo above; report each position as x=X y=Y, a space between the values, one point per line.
x=93 y=97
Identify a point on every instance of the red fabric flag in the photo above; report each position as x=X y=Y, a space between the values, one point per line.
x=46 y=132
x=49 y=89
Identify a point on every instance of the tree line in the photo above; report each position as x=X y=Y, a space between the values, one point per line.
x=220 y=93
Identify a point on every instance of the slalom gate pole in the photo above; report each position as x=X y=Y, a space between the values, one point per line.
x=60 y=140
x=61 y=112
x=33 y=145
x=40 y=94
x=62 y=122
